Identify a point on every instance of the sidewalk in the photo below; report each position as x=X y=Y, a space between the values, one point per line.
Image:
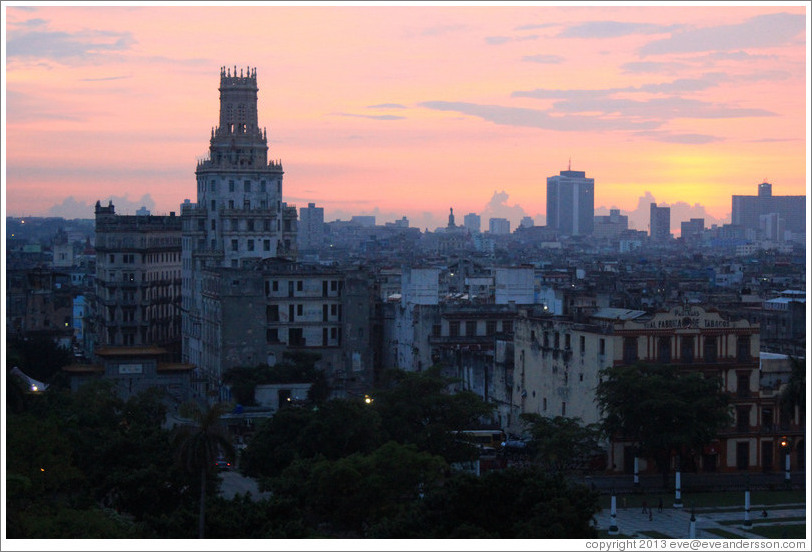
x=675 y=523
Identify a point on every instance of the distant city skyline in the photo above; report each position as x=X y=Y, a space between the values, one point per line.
x=409 y=111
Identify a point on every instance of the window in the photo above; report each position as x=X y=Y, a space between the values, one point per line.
x=546 y=340
x=272 y=335
x=602 y=347
x=250 y=245
x=267 y=225
x=556 y=340
x=333 y=285
x=454 y=328
x=272 y=313
x=230 y=185
x=234 y=245
x=507 y=326
x=266 y=245
x=299 y=310
x=262 y=186
x=742 y=418
x=299 y=285
x=230 y=203
x=333 y=309
x=213 y=186
x=435 y=330
x=235 y=225
x=112 y=258
x=296 y=337
x=470 y=328
x=743 y=348
x=247 y=186
x=250 y=224
x=629 y=350
x=563 y=409
x=582 y=344
x=687 y=348
x=490 y=327
x=275 y=285
x=566 y=341
x=214 y=224
x=711 y=352
x=213 y=205
x=743 y=385
x=664 y=349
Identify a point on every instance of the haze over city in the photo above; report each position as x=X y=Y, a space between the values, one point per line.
x=409 y=110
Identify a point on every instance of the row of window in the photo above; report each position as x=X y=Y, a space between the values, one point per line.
x=247 y=186
x=294 y=311
x=330 y=337
x=472 y=328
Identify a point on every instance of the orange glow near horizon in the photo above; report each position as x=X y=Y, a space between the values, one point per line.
x=410 y=110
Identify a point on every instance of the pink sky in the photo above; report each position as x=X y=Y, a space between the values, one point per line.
x=407 y=111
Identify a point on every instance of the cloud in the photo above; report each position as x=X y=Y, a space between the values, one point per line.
x=535 y=26
x=504 y=39
x=375 y=117
x=387 y=106
x=65 y=47
x=541 y=58
x=441 y=30
x=534 y=118
x=681 y=211
x=652 y=67
x=107 y=78
x=32 y=23
x=761 y=31
x=674 y=138
x=497 y=207
x=613 y=29
x=71 y=208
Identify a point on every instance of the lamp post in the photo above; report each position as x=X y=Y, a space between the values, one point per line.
x=692 y=527
x=613 y=530
x=748 y=524
x=677 y=488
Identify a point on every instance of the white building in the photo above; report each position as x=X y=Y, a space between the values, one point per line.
x=499 y=226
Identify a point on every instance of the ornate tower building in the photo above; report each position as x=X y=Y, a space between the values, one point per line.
x=239 y=215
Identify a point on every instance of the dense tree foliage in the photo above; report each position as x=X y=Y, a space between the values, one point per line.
x=295 y=367
x=563 y=444
x=512 y=503
x=39 y=358
x=661 y=409
x=793 y=394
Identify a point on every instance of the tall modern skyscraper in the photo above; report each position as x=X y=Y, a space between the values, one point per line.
x=239 y=213
x=660 y=223
x=571 y=203
x=747 y=210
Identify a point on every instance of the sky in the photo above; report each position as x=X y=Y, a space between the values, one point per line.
x=409 y=110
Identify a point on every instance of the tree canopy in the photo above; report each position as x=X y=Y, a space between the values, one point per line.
x=563 y=444
x=662 y=409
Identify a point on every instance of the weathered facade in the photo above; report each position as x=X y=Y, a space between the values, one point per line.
x=254 y=314
x=138 y=280
x=558 y=363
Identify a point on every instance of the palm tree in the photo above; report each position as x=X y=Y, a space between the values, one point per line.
x=199 y=444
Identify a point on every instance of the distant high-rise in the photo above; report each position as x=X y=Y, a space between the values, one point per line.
x=472 y=223
x=747 y=210
x=499 y=226
x=660 y=223
x=527 y=222
x=239 y=214
x=692 y=230
x=571 y=203
x=311 y=226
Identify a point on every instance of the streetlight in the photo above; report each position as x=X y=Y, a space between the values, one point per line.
x=368 y=399
x=692 y=527
x=748 y=524
x=613 y=530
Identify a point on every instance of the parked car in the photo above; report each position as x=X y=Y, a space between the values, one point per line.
x=222 y=464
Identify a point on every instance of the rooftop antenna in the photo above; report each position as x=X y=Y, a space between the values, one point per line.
x=569 y=167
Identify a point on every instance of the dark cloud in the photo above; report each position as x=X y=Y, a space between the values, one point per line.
x=757 y=32
x=65 y=47
x=681 y=211
x=32 y=23
x=613 y=29
x=541 y=58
